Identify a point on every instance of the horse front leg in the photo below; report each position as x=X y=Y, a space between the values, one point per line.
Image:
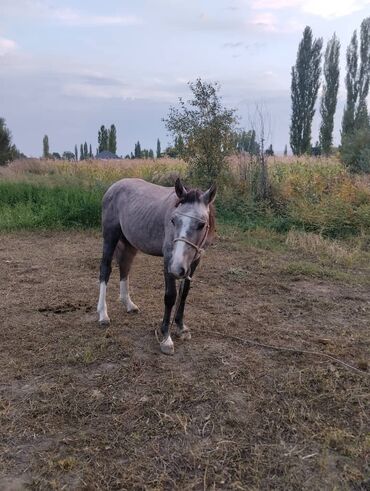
x=166 y=344
x=182 y=331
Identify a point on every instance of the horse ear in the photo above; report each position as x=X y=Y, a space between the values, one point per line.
x=209 y=196
x=180 y=189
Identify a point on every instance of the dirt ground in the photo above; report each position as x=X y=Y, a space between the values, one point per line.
x=83 y=407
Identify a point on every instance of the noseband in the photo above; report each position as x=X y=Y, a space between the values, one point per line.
x=198 y=248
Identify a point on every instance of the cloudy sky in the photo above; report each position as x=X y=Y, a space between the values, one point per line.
x=66 y=67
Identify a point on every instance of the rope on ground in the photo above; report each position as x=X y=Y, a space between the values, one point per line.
x=263 y=345
x=281 y=348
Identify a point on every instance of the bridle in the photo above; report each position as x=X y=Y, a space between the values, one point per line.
x=198 y=247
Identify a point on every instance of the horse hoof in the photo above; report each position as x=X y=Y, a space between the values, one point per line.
x=167 y=346
x=183 y=334
x=133 y=309
x=104 y=322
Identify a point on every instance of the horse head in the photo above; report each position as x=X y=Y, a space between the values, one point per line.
x=191 y=221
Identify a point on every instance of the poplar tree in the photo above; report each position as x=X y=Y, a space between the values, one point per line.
x=45 y=147
x=112 y=139
x=304 y=89
x=90 y=152
x=103 y=139
x=86 y=151
x=82 y=156
x=355 y=114
x=329 y=94
x=76 y=152
x=158 y=148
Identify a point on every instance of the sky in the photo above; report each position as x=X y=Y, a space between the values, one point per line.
x=67 y=67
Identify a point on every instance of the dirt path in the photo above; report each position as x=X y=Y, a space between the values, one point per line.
x=86 y=408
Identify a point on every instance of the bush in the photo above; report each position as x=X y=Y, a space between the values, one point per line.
x=355 y=151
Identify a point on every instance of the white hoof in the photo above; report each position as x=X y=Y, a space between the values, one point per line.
x=167 y=346
x=132 y=308
x=184 y=334
x=104 y=321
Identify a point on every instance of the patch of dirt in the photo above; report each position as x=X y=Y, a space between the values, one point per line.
x=83 y=407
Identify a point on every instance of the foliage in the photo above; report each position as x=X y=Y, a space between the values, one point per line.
x=206 y=129
x=112 y=139
x=304 y=89
x=329 y=94
x=103 y=138
x=159 y=153
x=8 y=151
x=45 y=147
x=355 y=114
x=137 y=151
x=245 y=141
x=355 y=150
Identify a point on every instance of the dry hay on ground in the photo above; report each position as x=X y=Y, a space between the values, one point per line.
x=86 y=408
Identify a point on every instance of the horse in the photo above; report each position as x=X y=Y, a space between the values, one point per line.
x=177 y=224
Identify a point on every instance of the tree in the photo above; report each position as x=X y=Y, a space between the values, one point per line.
x=90 y=152
x=246 y=142
x=158 y=149
x=285 y=150
x=207 y=129
x=138 y=153
x=151 y=154
x=329 y=94
x=269 y=151
x=82 y=155
x=103 y=139
x=355 y=150
x=76 y=153
x=45 y=147
x=8 y=151
x=355 y=114
x=86 y=151
x=69 y=155
x=304 y=89
x=112 y=139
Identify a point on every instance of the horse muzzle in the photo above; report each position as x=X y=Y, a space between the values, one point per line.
x=178 y=271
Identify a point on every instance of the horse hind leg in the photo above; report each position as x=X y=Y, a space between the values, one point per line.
x=109 y=244
x=125 y=255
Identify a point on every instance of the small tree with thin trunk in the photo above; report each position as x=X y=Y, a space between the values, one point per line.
x=206 y=128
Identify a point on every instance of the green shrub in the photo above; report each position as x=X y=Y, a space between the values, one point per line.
x=355 y=150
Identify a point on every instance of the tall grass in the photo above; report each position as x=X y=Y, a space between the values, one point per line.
x=306 y=194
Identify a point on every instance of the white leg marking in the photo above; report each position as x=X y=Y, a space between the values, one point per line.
x=124 y=295
x=102 y=304
x=167 y=346
x=184 y=334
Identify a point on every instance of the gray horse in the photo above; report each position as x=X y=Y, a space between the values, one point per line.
x=177 y=224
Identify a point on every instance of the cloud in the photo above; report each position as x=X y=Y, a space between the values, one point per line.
x=7 y=46
x=72 y=17
x=42 y=9
x=233 y=45
x=326 y=9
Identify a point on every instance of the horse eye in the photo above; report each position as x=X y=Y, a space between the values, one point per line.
x=200 y=226
x=173 y=221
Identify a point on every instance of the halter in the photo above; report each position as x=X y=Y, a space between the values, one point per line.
x=198 y=248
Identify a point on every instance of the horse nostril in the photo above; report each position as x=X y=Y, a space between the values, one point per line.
x=181 y=272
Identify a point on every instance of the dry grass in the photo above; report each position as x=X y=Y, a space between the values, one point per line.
x=328 y=250
x=85 y=408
